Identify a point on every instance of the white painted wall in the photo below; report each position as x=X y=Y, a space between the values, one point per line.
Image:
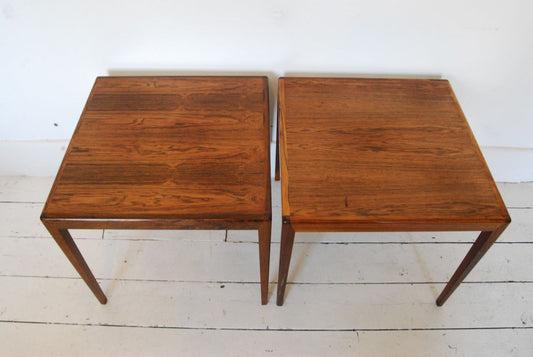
x=51 y=51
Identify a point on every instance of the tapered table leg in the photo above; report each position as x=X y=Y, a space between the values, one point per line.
x=264 y=233
x=287 y=241
x=67 y=245
x=480 y=247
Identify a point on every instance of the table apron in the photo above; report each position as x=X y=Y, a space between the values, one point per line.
x=154 y=224
x=393 y=226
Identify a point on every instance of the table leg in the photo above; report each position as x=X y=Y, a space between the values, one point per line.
x=480 y=247
x=67 y=245
x=287 y=241
x=264 y=233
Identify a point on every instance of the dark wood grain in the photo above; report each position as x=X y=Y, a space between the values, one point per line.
x=381 y=155
x=151 y=147
x=168 y=153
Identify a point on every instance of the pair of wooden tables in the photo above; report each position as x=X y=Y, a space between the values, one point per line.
x=353 y=155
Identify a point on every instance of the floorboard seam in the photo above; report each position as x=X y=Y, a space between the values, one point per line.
x=270 y=283
x=267 y=329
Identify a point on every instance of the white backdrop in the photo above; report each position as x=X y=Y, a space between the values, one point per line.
x=51 y=51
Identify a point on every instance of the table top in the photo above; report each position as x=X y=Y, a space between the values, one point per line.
x=381 y=154
x=168 y=148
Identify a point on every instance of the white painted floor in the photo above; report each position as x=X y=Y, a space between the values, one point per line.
x=196 y=293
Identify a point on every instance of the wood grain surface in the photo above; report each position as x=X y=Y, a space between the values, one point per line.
x=168 y=147
x=381 y=154
x=166 y=153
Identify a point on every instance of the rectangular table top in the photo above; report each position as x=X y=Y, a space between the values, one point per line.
x=168 y=148
x=381 y=154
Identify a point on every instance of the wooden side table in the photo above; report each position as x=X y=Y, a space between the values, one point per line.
x=368 y=155
x=166 y=153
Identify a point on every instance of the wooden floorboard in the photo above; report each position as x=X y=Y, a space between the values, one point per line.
x=184 y=260
x=196 y=293
x=63 y=339
x=236 y=305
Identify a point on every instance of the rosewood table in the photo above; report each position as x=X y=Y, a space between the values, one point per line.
x=166 y=153
x=381 y=155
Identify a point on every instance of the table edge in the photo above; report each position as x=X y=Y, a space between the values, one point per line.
x=405 y=225
x=157 y=223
